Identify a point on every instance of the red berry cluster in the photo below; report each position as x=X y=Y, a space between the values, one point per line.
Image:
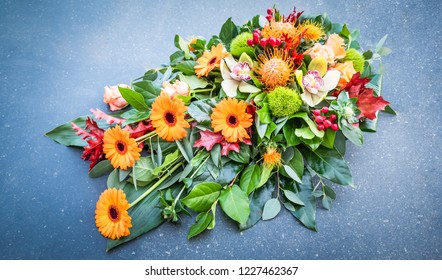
x=323 y=122
x=269 y=15
x=274 y=42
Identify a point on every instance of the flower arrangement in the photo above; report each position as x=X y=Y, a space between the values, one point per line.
x=251 y=121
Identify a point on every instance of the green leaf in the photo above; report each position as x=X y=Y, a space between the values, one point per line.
x=143 y=171
x=289 y=134
x=187 y=67
x=264 y=114
x=134 y=116
x=250 y=178
x=353 y=133
x=228 y=32
x=345 y=32
x=310 y=123
x=381 y=43
x=340 y=143
x=271 y=209
x=170 y=158
x=101 y=168
x=384 y=51
x=202 y=222
x=305 y=214
x=193 y=81
x=150 y=75
x=257 y=201
x=328 y=197
x=176 y=57
x=183 y=146
x=329 y=139
x=181 y=44
x=213 y=222
x=293 y=159
x=293 y=197
x=215 y=154
x=329 y=164
x=65 y=134
x=149 y=90
x=291 y=173
x=304 y=132
x=134 y=98
x=202 y=196
x=243 y=156
x=235 y=204
x=113 y=181
x=200 y=110
x=265 y=175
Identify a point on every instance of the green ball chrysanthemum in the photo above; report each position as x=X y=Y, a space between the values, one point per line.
x=284 y=101
x=239 y=45
x=357 y=58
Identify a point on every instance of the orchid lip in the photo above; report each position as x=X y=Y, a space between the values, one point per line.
x=313 y=82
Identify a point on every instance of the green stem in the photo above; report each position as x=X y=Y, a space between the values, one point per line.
x=178 y=196
x=199 y=167
x=146 y=136
x=151 y=189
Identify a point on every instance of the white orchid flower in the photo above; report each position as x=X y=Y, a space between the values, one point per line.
x=315 y=84
x=236 y=74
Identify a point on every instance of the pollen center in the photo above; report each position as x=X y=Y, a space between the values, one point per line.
x=232 y=120
x=169 y=118
x=120 y=147
x=113 y=213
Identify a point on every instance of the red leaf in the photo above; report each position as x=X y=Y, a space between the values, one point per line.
x=370 y=104
x=100 y=115
x=208 y=139
x=226 y=147
x=141 y=129
x=94 y=151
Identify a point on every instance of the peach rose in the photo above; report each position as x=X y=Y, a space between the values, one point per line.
x=322 y=50
x=347 y=71
x=335 y=42
x=113 y=98
x=177 y=88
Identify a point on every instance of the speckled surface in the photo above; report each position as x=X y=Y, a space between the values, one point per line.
x=56 y=57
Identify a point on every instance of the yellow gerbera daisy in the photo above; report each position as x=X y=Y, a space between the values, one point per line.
x=209 y=60
x=119 y=148
x=274 y=69
x=230 y=117
x=167 y=117
x=312 y=30
x=111 y=217
x=272 y=157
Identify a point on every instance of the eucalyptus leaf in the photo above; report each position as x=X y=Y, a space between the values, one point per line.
x=257 y=201
x=271 y=209
x=293 y=197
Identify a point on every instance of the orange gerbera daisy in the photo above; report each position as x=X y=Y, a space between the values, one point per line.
x=274 y=69
x=230 y=117
x=272 y=157
x=209 y=60
x=167 y=117
x=119 y=148
x=111 y=217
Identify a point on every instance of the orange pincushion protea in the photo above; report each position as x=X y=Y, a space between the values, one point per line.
x=230 y=117
x=167 y=117
x=274 y=69
x=272 y=157
x=111 y=217
x=280 y=29
x=210 y=60
x=119 y=148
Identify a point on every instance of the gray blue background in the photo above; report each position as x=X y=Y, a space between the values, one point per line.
x=56 y=57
